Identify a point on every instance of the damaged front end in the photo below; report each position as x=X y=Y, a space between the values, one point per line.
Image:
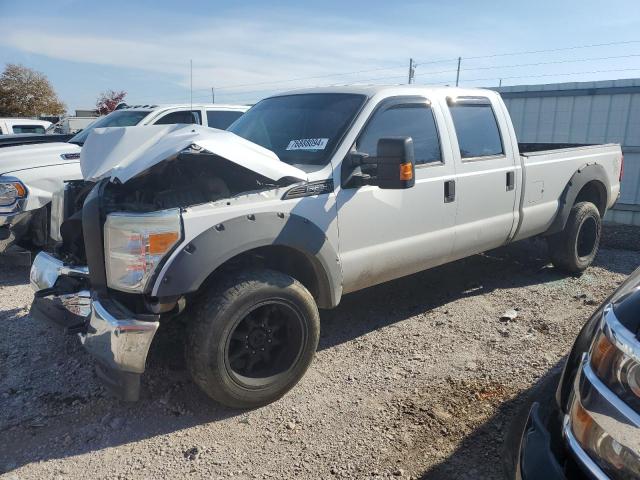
x=119 y=226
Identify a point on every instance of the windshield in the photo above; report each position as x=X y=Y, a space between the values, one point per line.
x=300 y=129
x=119 y=118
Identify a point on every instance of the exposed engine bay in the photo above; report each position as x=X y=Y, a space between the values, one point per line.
x=189 y=178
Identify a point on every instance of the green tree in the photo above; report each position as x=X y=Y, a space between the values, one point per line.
x=27 y=93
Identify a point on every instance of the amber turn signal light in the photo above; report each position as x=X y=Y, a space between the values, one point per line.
x=160 y=243
x=406 y=171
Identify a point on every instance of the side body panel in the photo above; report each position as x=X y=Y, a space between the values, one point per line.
x=547 y=175
x=236 y=225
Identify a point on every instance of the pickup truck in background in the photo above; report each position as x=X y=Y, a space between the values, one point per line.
x=241 y=235
x=31 y=173
x=71 y=125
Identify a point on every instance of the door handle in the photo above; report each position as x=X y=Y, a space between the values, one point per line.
x=449 y=191
x=511 y=181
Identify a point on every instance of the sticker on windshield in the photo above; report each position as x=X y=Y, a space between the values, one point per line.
x=308 y=144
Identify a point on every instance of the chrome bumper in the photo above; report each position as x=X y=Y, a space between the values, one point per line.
x=116 y=339
x=114 y=336
x=46 y=270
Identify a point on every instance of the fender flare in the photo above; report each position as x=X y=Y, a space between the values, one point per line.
x=584 y=175
x=202 y=255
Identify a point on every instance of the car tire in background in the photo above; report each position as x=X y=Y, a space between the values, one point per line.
x=574 y=248
x=252 y=338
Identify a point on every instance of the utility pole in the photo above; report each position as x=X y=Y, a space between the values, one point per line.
x=412 y=70
x=213 y=96
x=458 y=73
x=500 y=84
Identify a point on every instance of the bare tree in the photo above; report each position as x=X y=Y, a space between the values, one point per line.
x=27 y=93
x=108 y=101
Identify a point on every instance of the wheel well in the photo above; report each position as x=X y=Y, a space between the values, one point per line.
x=287 y=260
x=596 y=193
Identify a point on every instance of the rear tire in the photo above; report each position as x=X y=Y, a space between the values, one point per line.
x=574 y=248
x=253 y=337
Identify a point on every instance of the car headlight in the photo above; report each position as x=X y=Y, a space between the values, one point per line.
x=617 y=370
x=614 y=358
x=135 y=245
x=617 y=460
x=11 y=190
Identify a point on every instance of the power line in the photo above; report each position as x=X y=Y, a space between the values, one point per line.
x=531 y=52
x=415 y=64
x=554 y=74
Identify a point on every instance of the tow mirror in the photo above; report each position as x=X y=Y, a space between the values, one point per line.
x=396 y=163
x=393 y=167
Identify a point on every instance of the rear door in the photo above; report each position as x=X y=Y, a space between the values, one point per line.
x=485 y=175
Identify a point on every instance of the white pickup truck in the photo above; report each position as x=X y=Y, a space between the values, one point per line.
x=244 y=234
x=31 y=173
x=15 y=126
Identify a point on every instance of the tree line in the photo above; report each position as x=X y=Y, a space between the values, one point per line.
x=25 y=92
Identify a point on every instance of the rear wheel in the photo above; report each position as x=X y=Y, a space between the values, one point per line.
x=253 y=338
x=574 y=248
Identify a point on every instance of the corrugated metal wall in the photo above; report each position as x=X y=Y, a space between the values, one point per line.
x=585 y=112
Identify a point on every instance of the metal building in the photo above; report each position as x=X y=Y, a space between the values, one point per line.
x=585 y=112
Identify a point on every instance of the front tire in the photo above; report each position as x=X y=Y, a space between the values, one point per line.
x=574 y=248
x=253 y=337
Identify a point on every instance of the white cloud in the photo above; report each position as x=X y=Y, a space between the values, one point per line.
x=229 y=52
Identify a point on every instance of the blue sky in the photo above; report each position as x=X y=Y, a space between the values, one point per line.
x=247 y=50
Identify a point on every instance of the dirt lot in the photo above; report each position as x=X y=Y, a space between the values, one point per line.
x=415 y=378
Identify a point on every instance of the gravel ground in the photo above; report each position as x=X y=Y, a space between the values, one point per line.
x=418 y=377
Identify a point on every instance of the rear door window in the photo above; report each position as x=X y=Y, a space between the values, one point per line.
x=182 y=116
x=28 y=129
x=477 y=130
x=222 y=119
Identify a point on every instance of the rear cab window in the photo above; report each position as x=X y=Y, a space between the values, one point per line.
x=28 y=129
x=182 y=116
x=221 y=119
x=476 y=127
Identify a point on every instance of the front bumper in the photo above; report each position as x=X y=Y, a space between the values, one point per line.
x=115 y=337
x=14 y=223
x=536 y=459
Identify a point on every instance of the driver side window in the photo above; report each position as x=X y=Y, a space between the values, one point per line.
x=413 y=120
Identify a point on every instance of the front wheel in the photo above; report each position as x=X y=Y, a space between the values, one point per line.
x=253 y=337
x=574 y=248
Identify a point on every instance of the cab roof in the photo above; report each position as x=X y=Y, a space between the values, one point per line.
x=373 y=90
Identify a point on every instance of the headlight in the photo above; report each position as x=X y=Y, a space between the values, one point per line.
x=135 y=244
x=617 y=370
x=11 y=190
x=617 y=460
x=600 y=417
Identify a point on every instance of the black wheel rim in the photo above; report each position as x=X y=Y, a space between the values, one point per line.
x=587 y=238
x=265 y=344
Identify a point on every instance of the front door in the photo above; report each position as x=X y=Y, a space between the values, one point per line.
x=386 y=234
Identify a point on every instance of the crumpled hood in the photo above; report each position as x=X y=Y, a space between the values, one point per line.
x=121 y=153
x=22 y=157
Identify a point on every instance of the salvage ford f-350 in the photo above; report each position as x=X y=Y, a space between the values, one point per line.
x=243 y=234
